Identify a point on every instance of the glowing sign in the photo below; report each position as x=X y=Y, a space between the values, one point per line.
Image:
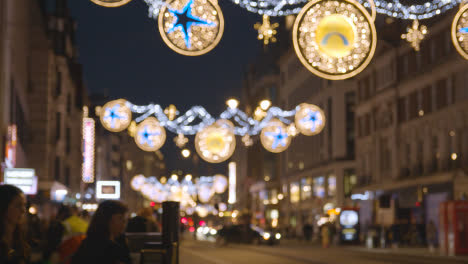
x=25 y=179
x=349 y=218
x=88 y=150
x=108 y=190
x=232 y=183
x=10 y=148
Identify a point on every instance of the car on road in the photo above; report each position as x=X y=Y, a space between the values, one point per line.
x=247 y=234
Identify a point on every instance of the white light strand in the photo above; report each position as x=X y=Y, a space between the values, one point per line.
x=390 y=8
x=184 y=124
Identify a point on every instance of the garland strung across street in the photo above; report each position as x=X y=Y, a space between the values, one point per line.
x=334 y=39
x=215 y=138
x=185 y=191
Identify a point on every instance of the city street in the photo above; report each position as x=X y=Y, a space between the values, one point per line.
x=196 y=252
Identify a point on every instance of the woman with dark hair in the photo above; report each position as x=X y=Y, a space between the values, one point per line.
x=102 y=239
x=13 y=246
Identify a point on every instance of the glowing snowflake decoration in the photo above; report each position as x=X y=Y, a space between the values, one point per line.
x=415 y=35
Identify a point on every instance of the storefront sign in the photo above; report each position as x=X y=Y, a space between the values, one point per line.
x=10 y=147
x=108 y=190
x=25 y=179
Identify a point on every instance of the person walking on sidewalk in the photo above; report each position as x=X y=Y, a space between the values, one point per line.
x=431 y=233
x=325 y=236
x=307 y=231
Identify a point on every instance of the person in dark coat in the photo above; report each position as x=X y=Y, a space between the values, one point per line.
x=103 y=243
x=13 y=246
x=307 y=230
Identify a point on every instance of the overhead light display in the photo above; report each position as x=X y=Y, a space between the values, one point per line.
x=150 y=135
x=309 y=119
x=215 y=139
x=334 y=39
x=274 y=137
x=460 y=31
x=115 y=115
x=111 y=3
x=191 y=27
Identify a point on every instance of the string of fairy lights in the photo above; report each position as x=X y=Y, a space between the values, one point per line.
x=334 y=39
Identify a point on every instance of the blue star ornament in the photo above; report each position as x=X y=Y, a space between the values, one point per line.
x=146 y=136
x=185 y=20
x=279 y=137
x=113 y=115
x=313 y=118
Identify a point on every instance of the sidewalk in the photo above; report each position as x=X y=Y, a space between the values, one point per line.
x=413 y=252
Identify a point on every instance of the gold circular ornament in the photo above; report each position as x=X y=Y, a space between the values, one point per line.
x=274 y=136
x=216 y=143
x=460 y=31
x=334 y=39
x=111 y=3
x=150 y=135
x=191 y=27
x=310 y=119
x=115 y=115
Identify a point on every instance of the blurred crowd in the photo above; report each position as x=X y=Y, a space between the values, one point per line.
x=71 y=235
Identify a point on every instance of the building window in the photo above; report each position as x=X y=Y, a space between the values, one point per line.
x=402 y=110
x=319 y=187
x=68 y=139
x=426 y=101
x=57 y=169
x=350 y=102
x=295 y=192
x=67 y=176
x=306 y=184
x=349 y=181
x=331 y=185
x=413 y=105
x=441 y=94
x=58 y=85
x=58 y=125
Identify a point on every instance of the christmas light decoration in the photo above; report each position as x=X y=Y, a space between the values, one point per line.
x=334 y=39
x=150 y=135
x=274 y=137
x=266 y=30
x=180 y=140
x=415 y=34
x=191 y=27
x=216 y=143
x=460 y=31
x=185 y=191
x=88 y=147
x=393 y=8
x=215 y=137
x=116 y=115
x=309 y=119
x=111 y=3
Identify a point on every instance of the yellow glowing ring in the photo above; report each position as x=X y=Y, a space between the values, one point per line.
x=121 y=108
x=111 y=3
x=215 y=143
x=306 y=126
x=460 y=40
x=267 y=138
x=203 y=38
x=156 y=138
x=373 y=9
x=334 y=21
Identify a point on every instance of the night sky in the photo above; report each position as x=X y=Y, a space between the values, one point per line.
x=124 y=56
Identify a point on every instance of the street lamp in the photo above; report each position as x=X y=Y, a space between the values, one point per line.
x=188 y=177
x=232 y=103
x=265 y=104
x=186 y=153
